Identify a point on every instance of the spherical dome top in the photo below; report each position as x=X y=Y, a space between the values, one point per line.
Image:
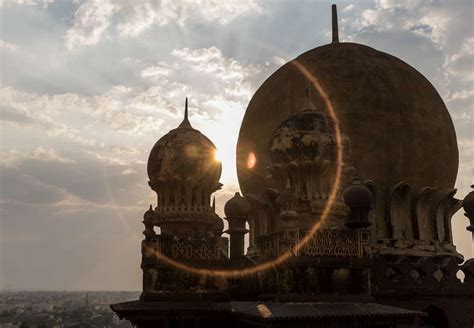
x=237 y=206
x=184 y=154
x=468 y=202
x=357 y=195
x=149 y=214
x=398 y=126
x=305 y=136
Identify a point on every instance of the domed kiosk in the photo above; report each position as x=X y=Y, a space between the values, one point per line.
x=184 y=172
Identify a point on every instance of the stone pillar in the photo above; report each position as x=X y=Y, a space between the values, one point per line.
x=237 y=233
x=237 y=210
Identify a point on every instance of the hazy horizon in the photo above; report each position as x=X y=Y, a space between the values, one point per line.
x=89 y=86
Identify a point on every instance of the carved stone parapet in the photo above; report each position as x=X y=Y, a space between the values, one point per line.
x=422 y=214
x=189 y=223
x=418 y=248
x=325 y=242
x=188 y=248
x=201 y=252
x=420 y=275
x=334 y=242
x=449 y=267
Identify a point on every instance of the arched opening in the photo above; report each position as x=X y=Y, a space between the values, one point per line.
x=436 y=318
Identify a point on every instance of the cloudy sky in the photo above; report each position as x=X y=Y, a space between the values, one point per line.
x=88 y=86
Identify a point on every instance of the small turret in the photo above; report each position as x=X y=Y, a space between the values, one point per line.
x=359 y=199
x=237 y=211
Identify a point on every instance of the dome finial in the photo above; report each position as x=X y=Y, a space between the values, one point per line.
x=335 y=30
x=185 y=123
x=308 y=105
x=186 y=108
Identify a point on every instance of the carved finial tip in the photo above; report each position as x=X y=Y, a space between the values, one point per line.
x=335 y=29
x=186 y=108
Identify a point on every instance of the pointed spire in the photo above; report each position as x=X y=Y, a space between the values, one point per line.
x=308 y=104
x=186 y=109
x=335 y=29
x=185 y=123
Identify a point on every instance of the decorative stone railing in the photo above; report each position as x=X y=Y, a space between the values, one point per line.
x=189 y=249
x=325 y=242
x=413 y=273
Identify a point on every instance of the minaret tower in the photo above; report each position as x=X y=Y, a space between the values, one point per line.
x=184 y=172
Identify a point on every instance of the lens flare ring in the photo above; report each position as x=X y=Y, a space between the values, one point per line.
x=282 y=258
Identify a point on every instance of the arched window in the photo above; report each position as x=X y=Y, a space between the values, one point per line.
x=436 y=318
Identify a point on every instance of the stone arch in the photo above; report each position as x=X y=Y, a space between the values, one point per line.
x=436 y=318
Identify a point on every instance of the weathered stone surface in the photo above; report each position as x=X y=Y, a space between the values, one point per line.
x=182 y=154
x=386 y=108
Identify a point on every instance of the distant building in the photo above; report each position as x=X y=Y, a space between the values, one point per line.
x=115 y=319
x=384 y=255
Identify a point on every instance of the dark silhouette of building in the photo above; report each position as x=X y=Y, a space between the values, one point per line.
x=382 y=254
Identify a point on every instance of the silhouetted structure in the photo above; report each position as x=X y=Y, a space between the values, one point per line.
x=385 y=254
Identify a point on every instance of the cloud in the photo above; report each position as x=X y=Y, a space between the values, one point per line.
x=83 y=178
x=123 y=123
x=25 y=189
x=14 y=158
x=6 y=46
x=441 y=21
x=461 y=64
x=224 y=76
x=44 y=3
x=93 y=17
x=348 y=8
x=135 y=18
x=108 y=136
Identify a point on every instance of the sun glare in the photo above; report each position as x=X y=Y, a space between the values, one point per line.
x=251 y=160
x=217 y=156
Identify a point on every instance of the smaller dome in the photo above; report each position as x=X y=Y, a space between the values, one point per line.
x=184 y=154
x=468 y=202
x=237 y=206
x=149 y=214
x=306 y=135
x=357 y=195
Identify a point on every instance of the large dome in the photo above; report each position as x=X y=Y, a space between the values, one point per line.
x=184 y=154
x=397 y=124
